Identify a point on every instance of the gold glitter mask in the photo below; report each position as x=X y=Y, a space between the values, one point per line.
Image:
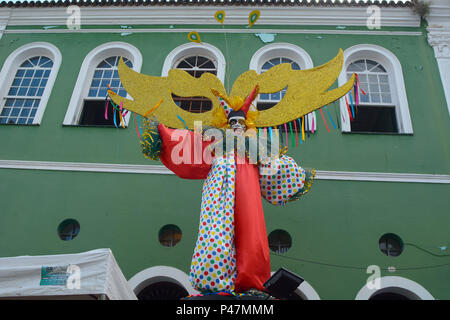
x=307 y=90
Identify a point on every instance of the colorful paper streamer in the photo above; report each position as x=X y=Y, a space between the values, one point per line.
x=323 y=118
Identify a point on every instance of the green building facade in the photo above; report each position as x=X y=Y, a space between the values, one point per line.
x=368 y=184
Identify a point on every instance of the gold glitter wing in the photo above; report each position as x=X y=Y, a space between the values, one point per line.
x=147 y=91
x=306 y=92
x=306 y=89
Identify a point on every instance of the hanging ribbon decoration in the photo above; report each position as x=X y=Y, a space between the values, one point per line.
x=307 y=123
x=303 y=128
x=359 y=85
x=292 y=134
x=253 y=17
x=296 y=136
x=348 y=109
x=313 y=114
x=220 y=16
x=331 y=119
x=194 y=37
x=106 y=108
x=351 y=103
x=270 y=134
x=323 y=118
x=154 y=108
x=285 y=131
x=281 y=135
x=184 y=122
x=138 y=129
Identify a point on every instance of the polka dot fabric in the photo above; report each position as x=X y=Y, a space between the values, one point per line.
x=283 y=179
x=213 y=266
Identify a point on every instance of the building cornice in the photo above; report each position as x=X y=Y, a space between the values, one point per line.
x=228 y=3
x=204 y=15
x=439 y=39
x=160 y=169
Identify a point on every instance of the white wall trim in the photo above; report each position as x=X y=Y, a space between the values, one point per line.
x=227 y=30
x=306 y=291
x=280 y=49
x=17 y=57
x=204 y=49
x=87 y=69
x=160 y=273
x=204 y=15
x=396 y=82
x=160 y=169
x=412 y=290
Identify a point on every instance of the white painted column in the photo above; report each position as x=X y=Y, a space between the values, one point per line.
x=439 y=38
x=2 y=28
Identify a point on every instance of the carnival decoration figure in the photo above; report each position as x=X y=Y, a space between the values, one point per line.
x=232 y=251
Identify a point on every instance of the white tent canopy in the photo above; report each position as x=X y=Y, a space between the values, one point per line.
x=89 y=275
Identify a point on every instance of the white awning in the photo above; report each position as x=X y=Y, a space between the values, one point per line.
x=89 y=275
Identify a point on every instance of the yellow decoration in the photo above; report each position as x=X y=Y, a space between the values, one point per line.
x=220 y=16
x=154 y=108
x=253 y=17
x=194 y=36
x=307 y=90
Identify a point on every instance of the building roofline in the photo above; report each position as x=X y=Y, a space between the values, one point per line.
x=231 y=3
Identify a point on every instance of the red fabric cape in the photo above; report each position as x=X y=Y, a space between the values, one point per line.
x=252 y=248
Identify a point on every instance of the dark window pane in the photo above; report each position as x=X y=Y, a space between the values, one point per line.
x=280 y=241
x=93 y=114
x=375 y=119
x=193 y=104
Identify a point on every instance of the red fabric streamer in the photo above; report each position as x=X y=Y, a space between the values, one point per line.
x=328 y=129
x=137 y=129
x=359 y=85
x=348 y=108
x=252 y=247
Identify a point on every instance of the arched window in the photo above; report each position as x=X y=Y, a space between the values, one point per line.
x=393 y=288
x=268 y=100
x=384 y=107
x=275 y=54
x=106 y=73
x=195 y=65
x=26 y=80
x=196 y=60
x=99 y=69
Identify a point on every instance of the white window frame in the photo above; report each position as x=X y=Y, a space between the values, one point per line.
x=284 y=50
x=195 y=49
x=393 y=284
x=17 y=57
x=156 y=274
x=86 y=73
x=396 y=83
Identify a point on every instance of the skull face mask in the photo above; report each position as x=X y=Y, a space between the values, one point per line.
x=237 y=124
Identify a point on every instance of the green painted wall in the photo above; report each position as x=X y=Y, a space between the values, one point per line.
x=353 y=152
x=337 y=223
